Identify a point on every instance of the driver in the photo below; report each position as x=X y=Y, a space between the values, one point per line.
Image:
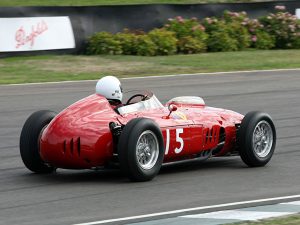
x=110 y=87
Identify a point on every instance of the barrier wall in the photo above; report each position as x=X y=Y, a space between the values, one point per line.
x=90 y=19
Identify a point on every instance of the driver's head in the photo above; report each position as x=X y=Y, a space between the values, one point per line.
x=110 y=87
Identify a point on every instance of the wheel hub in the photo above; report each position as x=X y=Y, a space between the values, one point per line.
x=262 y=139
x=147 y=150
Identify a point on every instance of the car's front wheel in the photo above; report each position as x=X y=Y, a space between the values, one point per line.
x=30 y=141
x=141 y=149
x=257 y=139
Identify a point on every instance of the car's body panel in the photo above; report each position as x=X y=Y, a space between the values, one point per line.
x=87 y=121
x=80 y=136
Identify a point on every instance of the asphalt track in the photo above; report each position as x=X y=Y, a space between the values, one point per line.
x=69 y=197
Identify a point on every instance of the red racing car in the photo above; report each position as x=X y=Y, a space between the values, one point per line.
x=141 y=135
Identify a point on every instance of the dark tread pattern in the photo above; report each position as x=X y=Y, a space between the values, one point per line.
x=126 y=149
x=245 y=139
x=29 y=149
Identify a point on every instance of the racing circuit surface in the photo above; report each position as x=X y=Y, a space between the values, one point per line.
x=70 y=197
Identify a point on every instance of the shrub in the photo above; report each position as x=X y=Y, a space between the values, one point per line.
x=221 y=41
x=235 y=27
x=232 y=27
x=198 y=32
x=296 y=42
x=260 y=39
x=212 y=24
x=240 y=34
x=284 y=26
x=190 y=45
x=233 y=31
x=145 y=46
x=263 y=40
x=188 y=29
x=253 y=27
x=165 y=41
x=134 y=31
x=182 y=27
x=127 y=41
x=230 y=17
x=103 y=43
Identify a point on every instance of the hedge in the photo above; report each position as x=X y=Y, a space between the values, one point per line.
x=233 y=31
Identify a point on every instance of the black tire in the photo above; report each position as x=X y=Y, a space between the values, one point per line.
x=127 y=149
x=29 y=141
x=245 y=139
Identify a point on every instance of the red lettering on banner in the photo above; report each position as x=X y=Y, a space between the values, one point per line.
x=22 y=38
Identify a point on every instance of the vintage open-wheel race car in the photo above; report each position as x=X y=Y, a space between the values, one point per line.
x=142 y=135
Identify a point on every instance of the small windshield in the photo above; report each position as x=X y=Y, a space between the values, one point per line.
x=151 y=102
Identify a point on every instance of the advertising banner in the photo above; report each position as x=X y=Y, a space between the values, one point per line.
x=36 y=33
x=48 y=27
x=298 y=13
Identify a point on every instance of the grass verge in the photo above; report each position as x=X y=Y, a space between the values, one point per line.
x=69 y=67
x=289 y=220
x=108 y=2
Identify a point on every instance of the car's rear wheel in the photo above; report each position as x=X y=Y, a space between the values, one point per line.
x=141 y=149
x=257 y=139
x=30 y=141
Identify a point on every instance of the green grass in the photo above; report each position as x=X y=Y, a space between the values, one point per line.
x=106 y=2
x=288 y=220
x=70 y=67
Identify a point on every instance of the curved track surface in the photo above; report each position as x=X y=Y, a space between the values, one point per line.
x=69 y=197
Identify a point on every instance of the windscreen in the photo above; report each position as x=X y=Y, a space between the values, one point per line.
x=151 y=102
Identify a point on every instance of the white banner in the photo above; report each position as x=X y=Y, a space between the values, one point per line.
x=35 y=33
x=298 y=13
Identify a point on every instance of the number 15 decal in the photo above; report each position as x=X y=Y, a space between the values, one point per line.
x=178 y=140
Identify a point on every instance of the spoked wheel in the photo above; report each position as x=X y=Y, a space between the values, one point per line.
x=257 y=139
x=262 y=140
x=141 y=149
x=147 y=150
x=30 y=141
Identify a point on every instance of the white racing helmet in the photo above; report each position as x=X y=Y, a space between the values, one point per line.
x=110 y=87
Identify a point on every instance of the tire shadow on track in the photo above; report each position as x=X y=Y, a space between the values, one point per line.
x=115 y=176
x=222 y=163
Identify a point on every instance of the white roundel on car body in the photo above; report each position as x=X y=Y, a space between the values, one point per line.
x=192 y=100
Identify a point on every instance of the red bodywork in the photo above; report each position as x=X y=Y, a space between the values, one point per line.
x=80 y=137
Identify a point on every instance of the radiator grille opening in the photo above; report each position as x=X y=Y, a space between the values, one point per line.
x=71 y=146
x=78 y=146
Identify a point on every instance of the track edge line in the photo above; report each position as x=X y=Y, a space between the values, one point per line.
x=189 y=210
